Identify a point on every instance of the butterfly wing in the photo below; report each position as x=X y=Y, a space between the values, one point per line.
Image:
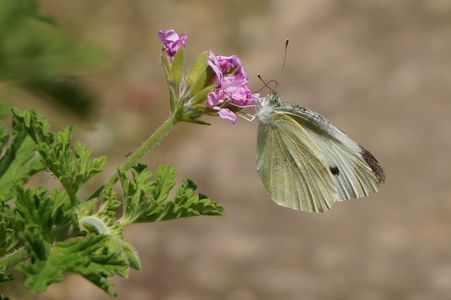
x=355 y=170
x=292 y=166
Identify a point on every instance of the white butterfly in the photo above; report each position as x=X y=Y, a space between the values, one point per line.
x=306 y=163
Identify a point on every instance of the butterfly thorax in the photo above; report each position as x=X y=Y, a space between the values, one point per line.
x=267 y=106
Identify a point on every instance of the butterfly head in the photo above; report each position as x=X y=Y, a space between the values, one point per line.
x=266 y=106
x=273 y=99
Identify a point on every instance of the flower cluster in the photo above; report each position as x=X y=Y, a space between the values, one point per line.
x=231 y=90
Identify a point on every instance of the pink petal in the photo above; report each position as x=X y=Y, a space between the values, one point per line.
x=225 y=113
x=213 y=63
x=215 y=97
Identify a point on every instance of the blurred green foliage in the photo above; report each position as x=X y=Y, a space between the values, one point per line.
x=38 y=56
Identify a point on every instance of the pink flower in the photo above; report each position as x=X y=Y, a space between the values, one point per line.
x=236 y=91
x=232 y=88
x=172 y=41
x=232 y=64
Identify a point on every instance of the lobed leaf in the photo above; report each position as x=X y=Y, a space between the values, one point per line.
x=7 y=240
x=104 y=222
x=71 y=164
x=146 y=197
x=19 y=160
x=40 y=219
x=185 y=204
x=89 y=256
x=131 y=254
x=163 y=183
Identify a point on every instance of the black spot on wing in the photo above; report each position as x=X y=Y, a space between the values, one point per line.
x=374 y=164
x=334 y=170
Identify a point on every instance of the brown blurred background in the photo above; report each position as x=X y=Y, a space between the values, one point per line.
x=381 y=70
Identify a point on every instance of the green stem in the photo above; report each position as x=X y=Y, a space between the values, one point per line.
x=13 y=258
x=148 y=145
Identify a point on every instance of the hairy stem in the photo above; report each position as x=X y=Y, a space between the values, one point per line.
x=13 y=258
x=148 y=145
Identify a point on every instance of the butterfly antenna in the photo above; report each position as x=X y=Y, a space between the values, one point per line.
x=285 y=56
x=266 y=84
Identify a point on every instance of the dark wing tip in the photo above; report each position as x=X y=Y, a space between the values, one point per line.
x=374 y=164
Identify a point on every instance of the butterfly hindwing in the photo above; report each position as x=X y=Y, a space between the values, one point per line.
x=292 y=167
x=355 y=170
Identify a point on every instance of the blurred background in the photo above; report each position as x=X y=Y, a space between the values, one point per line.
x=381 y=70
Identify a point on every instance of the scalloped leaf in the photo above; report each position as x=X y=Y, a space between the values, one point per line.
x=19 y=160
x=89 y=256
x=71 y=164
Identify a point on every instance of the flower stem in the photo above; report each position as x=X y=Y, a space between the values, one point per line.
x=13 y=258
x=148 y=145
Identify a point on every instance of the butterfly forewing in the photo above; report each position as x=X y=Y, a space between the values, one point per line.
x=292 y=167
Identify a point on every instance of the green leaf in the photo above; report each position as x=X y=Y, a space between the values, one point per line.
x=90 y=256
x=7 y=234
x=87 y=207
x=71 y=164
x=131 y=254
x=197 y=76
x=187 y=204
x=134 y=193
x=163 y=184
x=19 y=161
x=177 y=67
x=41 y=218
x=145 y=197
x=104 y=221
x=5 y=276
x=32 y=238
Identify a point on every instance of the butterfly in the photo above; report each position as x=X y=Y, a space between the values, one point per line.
x=308 y=164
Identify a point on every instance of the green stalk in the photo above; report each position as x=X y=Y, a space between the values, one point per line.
x=13 y=258
x=148 y=145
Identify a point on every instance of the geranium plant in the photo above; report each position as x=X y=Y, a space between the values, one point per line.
x=46 y=232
